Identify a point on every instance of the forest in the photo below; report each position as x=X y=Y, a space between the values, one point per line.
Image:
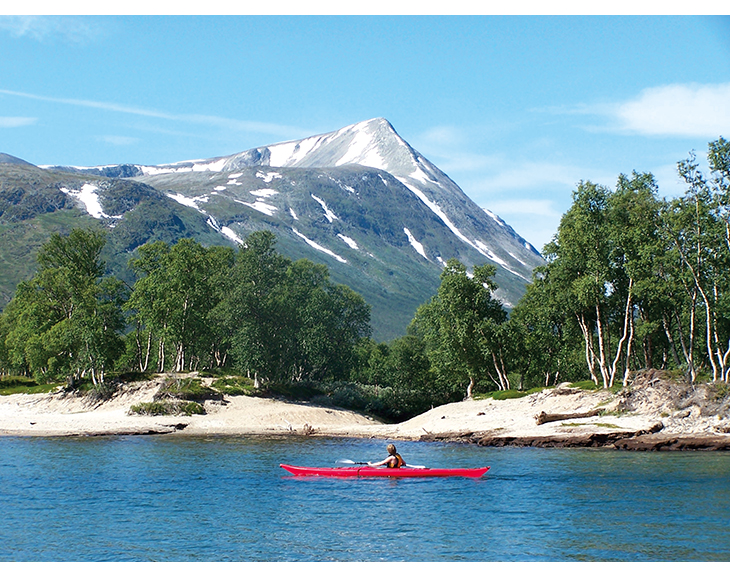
x=631 y=281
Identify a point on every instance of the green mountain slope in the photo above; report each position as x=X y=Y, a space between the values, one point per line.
x=360 y=200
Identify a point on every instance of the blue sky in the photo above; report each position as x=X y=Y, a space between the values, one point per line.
x=515 y=109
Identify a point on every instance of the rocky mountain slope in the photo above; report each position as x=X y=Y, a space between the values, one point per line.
x=360 y=200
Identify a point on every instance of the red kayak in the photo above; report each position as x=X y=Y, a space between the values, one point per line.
x=366 y=471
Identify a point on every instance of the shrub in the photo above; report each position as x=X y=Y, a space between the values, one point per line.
x=157 y=408
x=234 y=386
x=154 y=408
x=189 y=389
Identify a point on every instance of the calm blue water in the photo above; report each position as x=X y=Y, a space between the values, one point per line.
x=226 y=499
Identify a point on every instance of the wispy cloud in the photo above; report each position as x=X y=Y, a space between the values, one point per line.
x=535 y=220
x=525 y=206
x=110 y=106
x=16 y=121
x=682 y=110
x=538 y=175
x=231 y=124
x=119 y=140
x=45 y=28
x=693 y=110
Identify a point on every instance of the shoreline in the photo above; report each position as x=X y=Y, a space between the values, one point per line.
x=649 y=415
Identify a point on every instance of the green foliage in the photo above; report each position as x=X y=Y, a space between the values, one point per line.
x=508 y=394
x=171 y=301
x=282 y=321
x=9 y=381
x=464 y=328
x=234 y=386
x=631 y=281
x=12 y=385
x=397 y=377
x=188 y=389
x=585 y=385
x=158 y=408
x=67 y=319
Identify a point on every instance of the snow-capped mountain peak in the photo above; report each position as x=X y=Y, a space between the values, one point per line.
x=359 y=199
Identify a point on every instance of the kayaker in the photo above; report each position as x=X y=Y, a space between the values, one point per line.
x=392 y=461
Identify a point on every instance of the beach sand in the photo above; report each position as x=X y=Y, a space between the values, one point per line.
x=648 y=415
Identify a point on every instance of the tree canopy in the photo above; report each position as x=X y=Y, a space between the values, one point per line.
x=630 y=281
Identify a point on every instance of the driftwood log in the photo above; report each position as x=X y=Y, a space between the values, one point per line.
x=544 y=417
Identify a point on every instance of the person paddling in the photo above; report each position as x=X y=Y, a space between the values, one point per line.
x=392 y=461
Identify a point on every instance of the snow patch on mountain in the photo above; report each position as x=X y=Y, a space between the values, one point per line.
x=90 y=199
x=329 y=215
x=288 y=153
x=267 y=177
x=192 y=202
x=362 y=150
x=519 y=260
x=215 y=165
x=213 y=223
x=415 y=244
x=350 y=242
x=496 y=219
x=293 y=214
x=418 y=174
x=486 y=251
x=228 y=233
x=260 y=206
x=319 y=247
x=440 y=213
x=264 y=192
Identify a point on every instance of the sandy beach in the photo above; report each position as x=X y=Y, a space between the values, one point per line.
x=650 y=415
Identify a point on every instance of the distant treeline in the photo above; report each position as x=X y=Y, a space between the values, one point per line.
x=632 y=281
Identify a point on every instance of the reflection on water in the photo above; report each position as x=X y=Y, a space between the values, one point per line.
x=226 y=499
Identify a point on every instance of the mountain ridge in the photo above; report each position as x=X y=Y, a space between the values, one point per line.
x=360 y=199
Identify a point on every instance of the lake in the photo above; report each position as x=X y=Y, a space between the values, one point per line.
x=178 y=498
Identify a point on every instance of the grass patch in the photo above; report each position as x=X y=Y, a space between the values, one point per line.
x=605 y=425
x=586 y=386
x=235 y=386
x=11 y=385
x=508 y=394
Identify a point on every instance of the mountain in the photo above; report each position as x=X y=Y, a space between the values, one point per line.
x=7 y=159
x=360 y=200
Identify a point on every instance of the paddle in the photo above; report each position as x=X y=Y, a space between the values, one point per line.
x=349 y=462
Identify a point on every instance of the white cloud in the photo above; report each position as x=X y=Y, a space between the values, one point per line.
x=693 y=110
x=524 y=206
x=277 y=130
x=537 y=176
x=120 y=140
x=43 y=28
x=448 y=136
x=16 y=121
